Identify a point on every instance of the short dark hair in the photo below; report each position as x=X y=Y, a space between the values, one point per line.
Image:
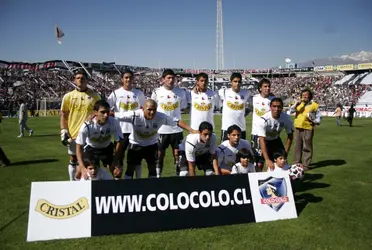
x=277 y=99
x=243 y=153
x=204 y=126
x=236 y=75
x=201 y=75
x=278 y=154
x=101 y=103
x=168 y=72
x=308 y=91
x=127 y=71
x=232 y=128
x=262 y=82
x=80 y=72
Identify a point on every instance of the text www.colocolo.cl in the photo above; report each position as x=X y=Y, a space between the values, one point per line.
x=170 y=201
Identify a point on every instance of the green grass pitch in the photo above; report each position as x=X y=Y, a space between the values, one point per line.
x=334 y=201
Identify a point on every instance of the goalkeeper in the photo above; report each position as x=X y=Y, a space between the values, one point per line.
x=76 y=107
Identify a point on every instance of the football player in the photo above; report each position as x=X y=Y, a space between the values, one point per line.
x=76 y=108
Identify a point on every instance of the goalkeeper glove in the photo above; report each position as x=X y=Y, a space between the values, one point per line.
x=65 y=137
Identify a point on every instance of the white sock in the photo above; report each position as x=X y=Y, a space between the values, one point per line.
x=138 y=171
x=158 y=172
x=72 y=172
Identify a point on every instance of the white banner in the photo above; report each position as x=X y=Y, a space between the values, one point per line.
x=272 y=196
x=59 y=210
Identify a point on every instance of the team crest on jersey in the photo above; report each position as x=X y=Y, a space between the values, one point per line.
x=236 y=98
x=128 y=96
x=273 y=192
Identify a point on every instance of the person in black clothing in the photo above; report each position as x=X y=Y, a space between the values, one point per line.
x=351 y=115
x=4 y=161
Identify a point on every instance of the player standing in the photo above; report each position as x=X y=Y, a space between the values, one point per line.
x=23 y=117
x=76 y=107
x=203 y=102
x=170 y=100
x=234 y=105
x=260 y=105
x=123 y=99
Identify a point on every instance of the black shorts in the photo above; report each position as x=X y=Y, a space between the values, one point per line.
x=224 y=135
x=105 y=155
x=169 y=139
x=202 y=162
x=273 y=146
x=125 y=141
x=257 y=149
x=137 y=153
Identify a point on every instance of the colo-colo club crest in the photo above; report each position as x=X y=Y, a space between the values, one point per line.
x=273 y=192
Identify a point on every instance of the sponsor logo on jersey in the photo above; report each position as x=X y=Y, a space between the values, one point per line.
x=146 y=134
x=202 y=106
x=53 y=211
x=273 y=192
x=260 y=112
x=169 y=106
x=235 y=105
x=129 y=105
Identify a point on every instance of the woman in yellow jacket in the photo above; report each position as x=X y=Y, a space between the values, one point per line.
x=307 y=117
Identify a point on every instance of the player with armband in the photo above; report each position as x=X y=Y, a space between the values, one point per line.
x=199 y=150
x=94 y=140
x=76 y=107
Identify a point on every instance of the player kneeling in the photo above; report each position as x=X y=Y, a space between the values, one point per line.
x=94 y=140
x=95 y=172
x=244 y=165
x=199 y=150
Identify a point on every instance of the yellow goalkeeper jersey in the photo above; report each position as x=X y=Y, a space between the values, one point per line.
x=80 y=106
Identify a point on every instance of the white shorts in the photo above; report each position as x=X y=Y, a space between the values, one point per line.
x=72 y=148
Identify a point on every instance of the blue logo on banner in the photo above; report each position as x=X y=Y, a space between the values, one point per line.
x=273 y=192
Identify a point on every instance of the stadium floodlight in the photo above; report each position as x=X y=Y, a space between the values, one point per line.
x=287 y=60
x=220 y=59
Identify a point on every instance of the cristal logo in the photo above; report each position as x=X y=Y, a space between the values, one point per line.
x=62 y=211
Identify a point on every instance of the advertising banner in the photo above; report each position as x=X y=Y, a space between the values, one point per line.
x=365 y=66
x=62 y=210
x=345 y=67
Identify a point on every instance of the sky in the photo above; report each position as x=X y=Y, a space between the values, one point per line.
x=182 y=34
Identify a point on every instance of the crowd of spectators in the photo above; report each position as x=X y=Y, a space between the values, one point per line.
x=53 y=84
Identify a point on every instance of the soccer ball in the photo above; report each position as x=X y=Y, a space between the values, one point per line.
x=311 y=116
x=296 y=172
